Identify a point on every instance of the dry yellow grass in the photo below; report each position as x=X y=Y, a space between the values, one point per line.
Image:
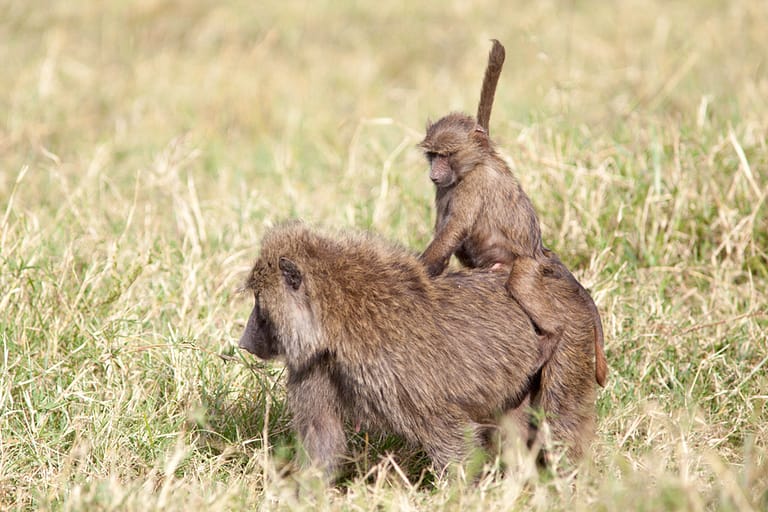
x=145 y=146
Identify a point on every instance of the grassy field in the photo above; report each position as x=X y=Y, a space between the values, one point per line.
x=146 y=146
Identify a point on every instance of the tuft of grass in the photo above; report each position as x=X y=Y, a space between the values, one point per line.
x=146 y=146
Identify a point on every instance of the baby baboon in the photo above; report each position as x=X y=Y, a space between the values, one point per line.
x=562 y=305
x=482 y=214
x=369 y=339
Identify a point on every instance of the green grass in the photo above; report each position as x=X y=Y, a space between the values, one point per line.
x=146 y=146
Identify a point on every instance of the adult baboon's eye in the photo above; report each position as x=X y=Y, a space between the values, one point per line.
x=261 y=313
x=259 y=305
x=547 y=271
x=430 y=155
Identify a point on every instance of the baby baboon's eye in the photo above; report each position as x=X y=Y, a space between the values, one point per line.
x=547 y=271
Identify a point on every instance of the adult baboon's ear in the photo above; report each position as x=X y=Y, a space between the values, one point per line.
x=291 y=273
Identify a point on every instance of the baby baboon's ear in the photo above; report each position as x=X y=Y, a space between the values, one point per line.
x=291 y=273
x=479 y=135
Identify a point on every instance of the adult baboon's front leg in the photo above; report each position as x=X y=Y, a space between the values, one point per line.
x=313 y=400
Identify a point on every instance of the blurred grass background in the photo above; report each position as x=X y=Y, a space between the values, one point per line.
x=145 y=146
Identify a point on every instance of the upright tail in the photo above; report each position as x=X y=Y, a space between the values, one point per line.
x=491 y=78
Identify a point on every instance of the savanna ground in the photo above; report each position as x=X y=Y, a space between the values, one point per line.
x=146 y=146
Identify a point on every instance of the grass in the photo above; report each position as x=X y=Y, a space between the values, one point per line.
x=146 y=146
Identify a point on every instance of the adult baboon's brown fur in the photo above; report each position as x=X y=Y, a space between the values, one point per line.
x=369 y=339
x=482 y=213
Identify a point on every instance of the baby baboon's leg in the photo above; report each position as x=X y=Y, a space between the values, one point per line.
x=525 y=286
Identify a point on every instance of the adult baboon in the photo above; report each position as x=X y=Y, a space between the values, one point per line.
x=369 y=339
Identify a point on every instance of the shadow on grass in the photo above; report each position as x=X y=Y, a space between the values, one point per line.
x=238 y=411
x=369 y=454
